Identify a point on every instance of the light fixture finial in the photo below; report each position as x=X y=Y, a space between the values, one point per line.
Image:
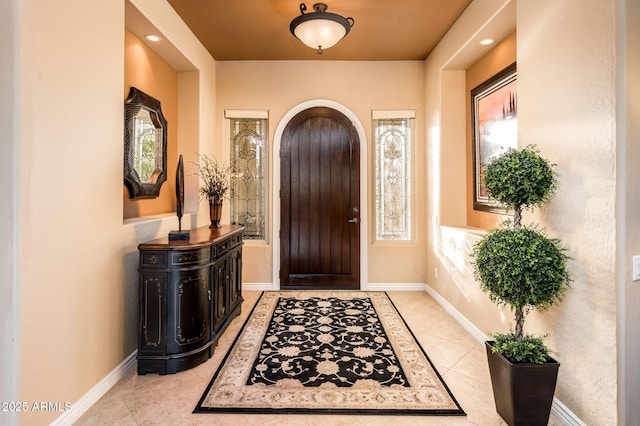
x=319 y=7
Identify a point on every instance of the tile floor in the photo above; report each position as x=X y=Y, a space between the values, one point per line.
x=169 y=400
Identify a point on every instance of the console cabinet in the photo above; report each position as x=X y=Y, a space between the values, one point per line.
x=189 y=293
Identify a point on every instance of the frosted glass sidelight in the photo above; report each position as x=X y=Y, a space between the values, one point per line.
x=248 y=138
x=393 y=162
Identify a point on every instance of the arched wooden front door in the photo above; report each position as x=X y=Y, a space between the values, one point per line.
x=320 y=201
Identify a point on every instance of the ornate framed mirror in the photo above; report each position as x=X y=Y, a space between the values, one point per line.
x=145 y=145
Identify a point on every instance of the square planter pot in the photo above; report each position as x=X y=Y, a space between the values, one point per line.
x=523 y=393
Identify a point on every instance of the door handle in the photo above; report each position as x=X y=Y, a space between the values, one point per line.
x=353 y=220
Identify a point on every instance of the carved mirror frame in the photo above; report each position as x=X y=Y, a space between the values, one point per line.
x=149 y=187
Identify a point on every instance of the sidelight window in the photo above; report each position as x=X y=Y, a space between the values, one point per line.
x=248 y=192
x=393 y=140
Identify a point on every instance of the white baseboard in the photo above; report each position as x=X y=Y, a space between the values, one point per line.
x=393 y=286
x=81 y=406
x=558 y=409
x=257 y=286
x=566 y=416
x=368 y=286
x=464 y=322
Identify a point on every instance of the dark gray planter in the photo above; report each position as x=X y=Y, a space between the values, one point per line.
x=523 y=393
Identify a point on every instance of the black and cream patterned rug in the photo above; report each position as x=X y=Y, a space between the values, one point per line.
x=327 y=352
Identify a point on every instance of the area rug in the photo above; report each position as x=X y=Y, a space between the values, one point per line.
x=327 y=352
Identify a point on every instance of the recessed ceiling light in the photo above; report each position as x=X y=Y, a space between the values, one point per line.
x=152 y=37
x=486 y=41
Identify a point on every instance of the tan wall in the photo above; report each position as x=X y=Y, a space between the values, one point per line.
x=9 y=190
x=566 y=105
x=147 y=71
x=501 y=56
x=628 y=219
x=359 y=86
x=77 y=261
x=70 y=204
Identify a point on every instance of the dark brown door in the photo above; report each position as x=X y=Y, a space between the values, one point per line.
x=320 y=201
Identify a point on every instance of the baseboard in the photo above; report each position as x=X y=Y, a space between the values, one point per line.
x=566 y=416
x=368 y=286
x=451 y=310
x=558 y=409
x=393 y=287
x=257 y=286
x=81 y=406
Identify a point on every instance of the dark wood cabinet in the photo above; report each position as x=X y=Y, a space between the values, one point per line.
x=189 y=293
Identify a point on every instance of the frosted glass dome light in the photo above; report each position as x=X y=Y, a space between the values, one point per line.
x=320 y=29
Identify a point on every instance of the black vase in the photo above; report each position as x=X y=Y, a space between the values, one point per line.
x=523 y=393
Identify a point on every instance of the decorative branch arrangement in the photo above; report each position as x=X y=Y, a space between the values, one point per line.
x=214 y=176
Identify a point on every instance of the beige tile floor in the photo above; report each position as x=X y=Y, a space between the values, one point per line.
x=169 y=400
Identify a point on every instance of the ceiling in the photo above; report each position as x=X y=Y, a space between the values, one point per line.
x=384 y=30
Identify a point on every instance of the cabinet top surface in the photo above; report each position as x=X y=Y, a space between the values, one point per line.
x=199 y=237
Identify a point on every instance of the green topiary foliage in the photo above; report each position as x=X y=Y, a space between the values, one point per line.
x=529 y=349
x=521 y=266
x=520 y=178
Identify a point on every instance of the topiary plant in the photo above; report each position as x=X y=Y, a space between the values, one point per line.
x=520 y=179
x=521 y=266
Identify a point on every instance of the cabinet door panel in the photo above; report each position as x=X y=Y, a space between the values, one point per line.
x=220 y=279
x=152 y=312
x=191 y=314
x=235 y=279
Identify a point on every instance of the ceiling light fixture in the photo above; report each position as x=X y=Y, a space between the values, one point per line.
x=486 y=41
x=152 y=37
x=320 y=29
